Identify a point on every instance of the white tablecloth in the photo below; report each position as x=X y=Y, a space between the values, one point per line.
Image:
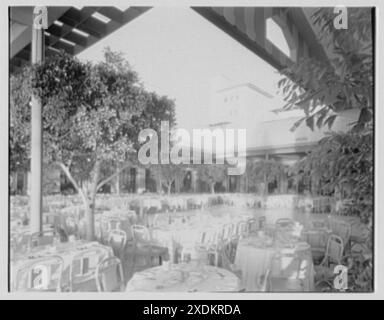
x=255 y=256
x=184 y=277
x=65 y=250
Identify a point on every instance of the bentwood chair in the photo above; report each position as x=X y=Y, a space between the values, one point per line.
x=146 y=252
x=210 y=243
x=333 y=256
x=317 y=239
x=42 y=274
x=140 y=233
x=109 y=275
x=117 y=239
x=83 y=268
x=343 y=230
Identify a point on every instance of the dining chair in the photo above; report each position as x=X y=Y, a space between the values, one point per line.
x=284 y=222
x=241 y=229
x=253 y=225
x=113 y=223
x=317 y=239
x=334 y=250
x=333 y=256
x=343 y=230
x=82 y=269
x=318 y=224
x=41 y=274
x=140 y=233
x=210 y=243
x=42 y=238
x=71 y=225
x=227 y=232
x=117 y=240
x=110 y=275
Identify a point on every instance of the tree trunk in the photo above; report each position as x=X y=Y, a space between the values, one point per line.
x=90 y=213
x=169 y=187
x=81 y=192
x=213 y=187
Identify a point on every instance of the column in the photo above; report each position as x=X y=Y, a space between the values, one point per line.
x=37 y=48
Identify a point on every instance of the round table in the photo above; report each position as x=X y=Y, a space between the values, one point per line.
x=67 y=251
x=184 y=277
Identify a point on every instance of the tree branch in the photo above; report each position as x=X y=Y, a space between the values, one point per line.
x=103 y=182
x=73 y=181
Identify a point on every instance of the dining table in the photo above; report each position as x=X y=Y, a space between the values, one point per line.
x=66 y=250
x=187 y=231
x=184 y=277
x=259 y=255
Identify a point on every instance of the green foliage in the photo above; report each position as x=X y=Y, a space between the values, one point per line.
x=90 y=111
x=20 y=117
x=344 y=81
x=343 y=162
x=211 y=173
x=169 y=173
x=92 y=114
x=265 y=170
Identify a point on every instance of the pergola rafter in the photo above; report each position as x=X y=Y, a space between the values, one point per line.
x=74 y=29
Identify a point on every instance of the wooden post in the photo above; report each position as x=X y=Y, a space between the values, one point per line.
x=37 y=48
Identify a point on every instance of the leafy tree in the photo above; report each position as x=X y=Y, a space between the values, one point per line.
x=169 y=174
x=325 y=88
x=343 y=162
x=344 y=81
x=262 y=172
x=211 y=174
x=88 y=118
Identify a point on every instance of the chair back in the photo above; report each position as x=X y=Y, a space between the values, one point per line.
x=71 y=225
x=262 y=222
x=117 y=239
x=343 y=230
x=113 y=224
x=110 y=275
x=317 y=239
x=335 y=249
x=284 y=222
x=253 y=225
x=227 y=231
x=42 y=274
x=51 y=218
x=83 y=267
x=241 y=229
x=42 y=238
x=318 y=224
x=140 y=233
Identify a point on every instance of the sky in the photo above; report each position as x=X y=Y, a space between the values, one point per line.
x=177 y=53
